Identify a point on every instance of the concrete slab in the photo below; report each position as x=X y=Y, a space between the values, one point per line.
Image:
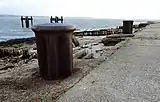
x=132 y=74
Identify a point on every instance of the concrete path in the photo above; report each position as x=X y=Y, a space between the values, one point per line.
x=132 y=74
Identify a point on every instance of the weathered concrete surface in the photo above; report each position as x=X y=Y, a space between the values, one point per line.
x=132 y=74
x=150 y=32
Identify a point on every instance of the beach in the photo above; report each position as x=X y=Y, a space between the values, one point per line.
x=19 y=72
x=11 y=27
x=20 y=78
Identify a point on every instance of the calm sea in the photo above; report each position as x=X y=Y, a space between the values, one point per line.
x=10 y=26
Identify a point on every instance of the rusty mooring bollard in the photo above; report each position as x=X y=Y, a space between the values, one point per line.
x=128 y=27
x=54 y=47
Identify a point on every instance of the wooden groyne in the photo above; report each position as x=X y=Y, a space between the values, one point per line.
x=100 y=32
x=109 y=31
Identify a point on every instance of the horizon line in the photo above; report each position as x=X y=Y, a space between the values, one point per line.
x=76 y=17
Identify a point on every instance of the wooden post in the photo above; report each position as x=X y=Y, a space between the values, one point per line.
x=61 y=19
x=26 y=19
x=56 y=19
x=22 y=21
x=51 y=20
x=31 y=20
x=27 y=22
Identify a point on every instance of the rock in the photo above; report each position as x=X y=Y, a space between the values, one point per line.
x=110 y=41
x=80 y=54
x=15 y=46
x=14 y=60
x=18 y=41
x=34 y=56
x=8 y=52
x=90 y=47
x=119 y=35
x=120 y=27
x=35 y=48
x=26 y=61
x=150 y=22
x=75 y=41
x=84 y=46
x=7 y=67
x=76 y=49
x=73 y=46
x=95 y=44
x=99 y=50
x=25 y=54
x=135 y=26
x=141 y=25
x=117 y=31
x=89 y=56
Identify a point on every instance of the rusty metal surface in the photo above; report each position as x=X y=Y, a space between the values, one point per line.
x=54 y=50
x=53 y=27
x=127 y=27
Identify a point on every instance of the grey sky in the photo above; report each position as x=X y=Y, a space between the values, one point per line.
x=126 y=9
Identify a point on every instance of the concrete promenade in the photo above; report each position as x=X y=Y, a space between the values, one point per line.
x=132 y=74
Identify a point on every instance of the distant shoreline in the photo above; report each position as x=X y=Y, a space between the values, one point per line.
x=17 y=41
x=32 y=39
x=10 y=27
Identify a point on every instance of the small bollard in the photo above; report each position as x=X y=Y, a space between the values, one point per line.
x=128 y=27
x=54 y=47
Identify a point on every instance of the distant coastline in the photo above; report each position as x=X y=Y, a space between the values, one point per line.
x=68 y=17
x=10 y=26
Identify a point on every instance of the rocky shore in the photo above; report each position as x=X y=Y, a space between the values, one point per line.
x=19 y=76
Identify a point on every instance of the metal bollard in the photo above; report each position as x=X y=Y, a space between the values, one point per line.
x=54 y=47
x=128 y=27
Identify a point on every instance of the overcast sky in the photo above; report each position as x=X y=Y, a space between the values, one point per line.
x=121 y=9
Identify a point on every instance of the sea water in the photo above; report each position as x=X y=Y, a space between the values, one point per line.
x=11 y=28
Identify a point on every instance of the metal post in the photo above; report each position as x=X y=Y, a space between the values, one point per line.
x=51 y=20
x=56 y=19
x=61 y=19
x=27 y=22
x=128 y=27
x=22 y=21
x=54 y=47
x=31 y=20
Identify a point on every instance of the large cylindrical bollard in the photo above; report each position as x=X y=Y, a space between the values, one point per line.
x=127 y=27
x=54 y=47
